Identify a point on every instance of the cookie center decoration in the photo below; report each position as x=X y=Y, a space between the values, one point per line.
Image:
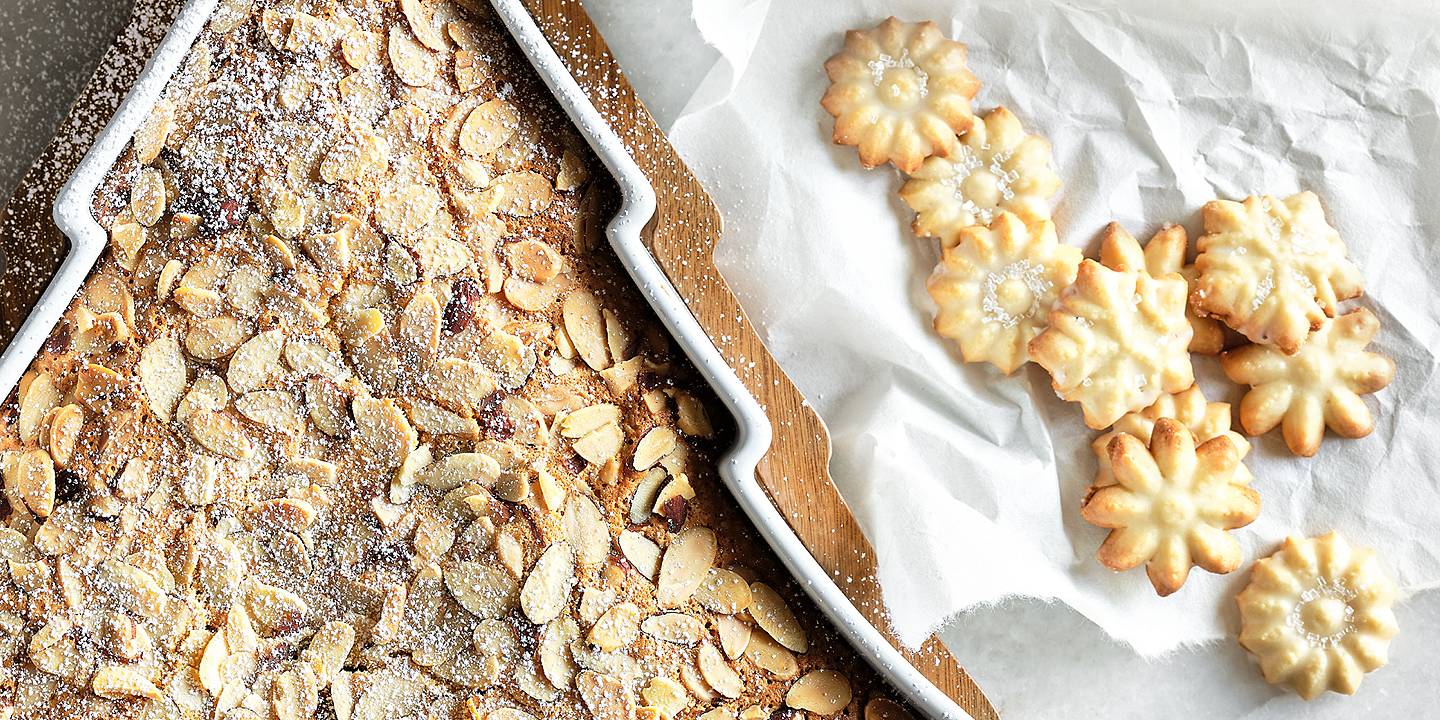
x=1013 y=293
x=981 y=188
x=1323 y=615
x=901 y=83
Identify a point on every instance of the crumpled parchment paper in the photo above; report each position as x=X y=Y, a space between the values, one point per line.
x=968 y=482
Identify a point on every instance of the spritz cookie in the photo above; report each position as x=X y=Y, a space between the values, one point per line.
x=1203 y=419
x=1171 y=505
x=1163 y=254
x=1318 y=386
x=1272 y=269
x=1116 y=341
x=995 y=286
x=996 y=166
x=900 y=92
x=1317 y=615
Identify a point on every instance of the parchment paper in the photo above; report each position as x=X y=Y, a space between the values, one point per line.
x=968 y=482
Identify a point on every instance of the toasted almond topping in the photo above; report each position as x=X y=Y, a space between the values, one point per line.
x=523 y=194
x=36 y=401
x=471 y=71
x=487 y=592
x=606 y=697
x=734 y=635
x=210 y=663
x=687 y=561
x=327 y=405
x=277 y=609
x=488 y=127
x=556 y=661
x=328 y=648
x=548 y=585
x=587 y=531
x=413 y=63
x=256 y=362
x=666 y=696
x=588 y=419
x=99 y=387
x=771 y=656
x=215 y=338
x=615 y=629
x=384 y=429
x=573 y=172
x=31 y=476
x=823 y=692
x=880 y=708
x=422 y=23
x=151 y=136
x=65 y=427
x=691 y=416
x=642 y=553
x=292 y=514
x=718 y=673
x=585 y=326
x=230 y=14
x=219 y=433
x=147 y=198
x=656 y=444
x=360 y=48
x=774 y=616
x=392 y=613
x=455 y=470
x=723 y=592
x=119 y=682
x=674 y=627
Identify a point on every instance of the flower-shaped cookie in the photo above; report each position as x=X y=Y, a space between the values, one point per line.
x=995 y=167
x=1162 y=255
x=1116 y=341
x=900 y=92
x=1272 y=269
x=1320 y=385
x=1317 y=616
x=1204 y=420
x=996 y=285
x=1171 y=505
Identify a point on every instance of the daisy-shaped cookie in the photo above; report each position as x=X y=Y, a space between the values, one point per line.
x=996 y=166
x=1318 y=386
x=1116 y=341
x=1162 y=255
x=1317 y=615
x=1171 y=505
x=1272 y=269
x=1204 y=420
x=996 y=285
x=900 y=92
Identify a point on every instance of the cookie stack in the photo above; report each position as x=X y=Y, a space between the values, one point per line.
x=1117 y=336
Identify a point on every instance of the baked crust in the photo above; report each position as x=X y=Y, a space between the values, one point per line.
x=1272 y=269
x=995 y=285
x=1317 y=615
x=1171 y=505
x=1116 y=341
x=899 y=92
x=996 y=166
x=1316 y=387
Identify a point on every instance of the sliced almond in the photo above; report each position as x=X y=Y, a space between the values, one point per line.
x=573 y=172
x=30 y=476
x=151 y=136
x=880 y=708
x=255 y=362
x=99 y=387
x=600 y=446
x=529 y=295
x=585 y=326
x=471 y=71
x=412 y=62
x=523 y=194
x=215 y=338
x=615 y=629
x=734 y=635
x=422 y=22
x=384 y=429
x=277 y=609
x=327 y=405
x=361 y=48
x=587 y=530
x=219 y=433
x=65 y=427
x=148 y=196
x=392 y=613
x=691 y=416
x=642 y=502
x=120 y=682
x=666 y=696
x=488 y=127
x=548 y=585
x=457 y=469
x=290 y=514
x=687 y=562
x=774 y=616
x=586 y=420
x=486 y=591
x=37 y=399
x=555 y=656
x=641 y=552
x=275 y=409
x=211 y=660
x=718 y=673
x=459 y=384
x=723 y=592
x=420 y=326
x=656 y=444
x=230 y=14
x=823 y=692
x=771 y=656
x=606 y=697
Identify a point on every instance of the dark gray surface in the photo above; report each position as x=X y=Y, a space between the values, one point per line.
x=48 y=49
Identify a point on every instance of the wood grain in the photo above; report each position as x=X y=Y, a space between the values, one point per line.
x=687 y=226
x=796 y=470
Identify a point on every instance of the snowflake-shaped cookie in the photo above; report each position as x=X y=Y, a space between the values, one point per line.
x=900 y=92
x=996 y=166
x=1162 y=255
x=1272 y=269
x=1116 y=341
x=1204 y=420
x=996 y=285
x=1320 y=385
x=1171 y=505
x=1317 y=615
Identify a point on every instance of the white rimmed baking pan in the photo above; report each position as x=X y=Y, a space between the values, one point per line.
x=73 y=214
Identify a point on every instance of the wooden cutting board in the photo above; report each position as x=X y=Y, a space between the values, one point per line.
x=687 y=226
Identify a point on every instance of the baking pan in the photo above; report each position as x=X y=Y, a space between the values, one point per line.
x=737 y=469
